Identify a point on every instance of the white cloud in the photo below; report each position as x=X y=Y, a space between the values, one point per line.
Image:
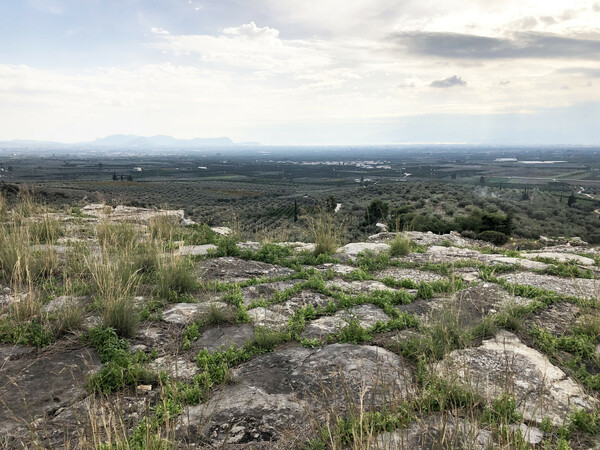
x=326 y=60
x=157 y=30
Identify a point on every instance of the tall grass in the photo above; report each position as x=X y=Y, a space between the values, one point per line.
x=400 y=246
x=162 y=227
x=119 y=235
x=115 y=283
x=324 y=232
x=174 y=276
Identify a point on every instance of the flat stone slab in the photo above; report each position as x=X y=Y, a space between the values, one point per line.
x=353 y=249
x=316 y=375
x=399 y=273
x=301 y=300
x=223 y=337
x=271 y=393
x=342 y=269
x=437 y=432
x=505 y=365
x=437 y=253
x=64 y=301
x=36 y=385
x=265 y=290
x=240 y=414
x=473 y=304
x=562 y=257
x=195 y=250
x=358 y=287
x=578 y=287
x=276 y=316
x=154 y=335
x=130 y=213
x=558 y=319
x=263 y=317
x=429 y=238
x=183 y=313
x=368 y=315
x=230 y=269
x=428 y=310
x=524 y=263
x=176 y=366
x=300 y=246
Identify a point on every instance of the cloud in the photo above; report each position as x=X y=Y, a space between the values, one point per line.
x=157 y=30
x=251 y=31
x=593 y=72
x=522 y=45
x=448 y=82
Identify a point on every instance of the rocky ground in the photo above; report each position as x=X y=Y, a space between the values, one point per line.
x=452 y=345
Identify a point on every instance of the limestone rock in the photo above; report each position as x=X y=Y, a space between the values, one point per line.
x=35 y=386
x=504 y=364
x=355 y=248
x=230 y=269
x=223 y=337
x=399 y=273
x=316 y=375
x=558 y=318
x=562 y=257
x=263 y=317
x=436 y=432
x=177 y=367
x=223 y=231
x=358 y=287
x=195 y=250
x=532 y=435
x=183 y=313
x=579 y=287
x=240 y=414
x=64 y=301
x=265 y=290
x=342 y=269
x=367 y=315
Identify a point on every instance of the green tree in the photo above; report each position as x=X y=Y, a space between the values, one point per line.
x=377 y=210
x=571 y=200
x=331 y=203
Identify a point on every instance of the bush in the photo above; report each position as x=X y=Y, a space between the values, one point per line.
x=468 y=234
x=400 y=246
x=493 y=237
x=376 y=211
x=324 y=232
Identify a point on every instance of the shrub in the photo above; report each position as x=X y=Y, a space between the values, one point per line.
x=324 y=232
x=162 y=227
x=377 y=210
x=493 y=237
x=399 y=246
x=468 y=234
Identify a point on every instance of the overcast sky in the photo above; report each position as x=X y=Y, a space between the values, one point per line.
x=301 y=71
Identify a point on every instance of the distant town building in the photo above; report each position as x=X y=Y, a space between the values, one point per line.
x=137 y=169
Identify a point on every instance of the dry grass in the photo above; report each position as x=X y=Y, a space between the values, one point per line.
x=115 y=283
x=324 y=232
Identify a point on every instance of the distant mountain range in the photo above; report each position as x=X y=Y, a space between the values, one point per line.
x=127 y=142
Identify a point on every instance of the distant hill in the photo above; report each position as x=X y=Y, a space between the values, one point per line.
x=125 y=142
x=133 y=141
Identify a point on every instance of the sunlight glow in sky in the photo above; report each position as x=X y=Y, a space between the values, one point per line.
x=301 y=72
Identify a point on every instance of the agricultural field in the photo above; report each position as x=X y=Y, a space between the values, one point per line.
x=269 y=194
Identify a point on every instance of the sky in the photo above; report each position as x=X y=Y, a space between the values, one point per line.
x=302 y=72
